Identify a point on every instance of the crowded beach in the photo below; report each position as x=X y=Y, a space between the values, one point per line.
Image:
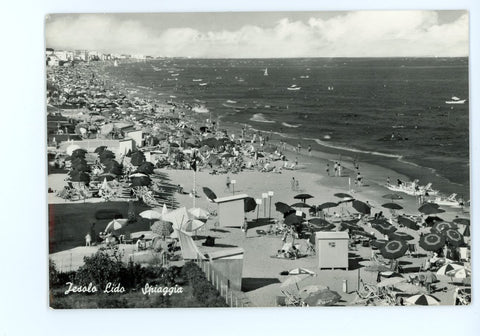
x=150 y=179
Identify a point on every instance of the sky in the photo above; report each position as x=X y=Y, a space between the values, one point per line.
x=265 y=34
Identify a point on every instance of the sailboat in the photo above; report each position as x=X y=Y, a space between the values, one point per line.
x=455 y=100
x=265 y=73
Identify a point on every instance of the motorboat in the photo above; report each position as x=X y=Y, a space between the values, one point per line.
x=455 y=100
x=451 y=201
x=412 y=188
x=200 y=109
x=294 y=88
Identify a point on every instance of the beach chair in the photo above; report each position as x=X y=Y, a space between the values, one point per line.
x=463 y=251
x=292 y=300
x=412 y=250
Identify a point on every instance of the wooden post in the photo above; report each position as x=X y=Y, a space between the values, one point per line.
x=236 y=302
x=231 y=298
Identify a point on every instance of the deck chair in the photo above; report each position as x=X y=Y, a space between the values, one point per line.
x=412 y=250
x=291 y=299
x=452 y=197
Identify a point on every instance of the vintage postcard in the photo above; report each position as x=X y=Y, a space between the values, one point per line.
x=258 y=159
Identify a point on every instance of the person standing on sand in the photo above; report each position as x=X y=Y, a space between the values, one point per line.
x=328 y=169
x=293 y=183
x=296 y=161
x=309 y=150
x=297 y=185
x=335 y=168
x=227 y=183
x=299 y=148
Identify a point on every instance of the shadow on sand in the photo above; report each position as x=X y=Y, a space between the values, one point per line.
x=250 y=284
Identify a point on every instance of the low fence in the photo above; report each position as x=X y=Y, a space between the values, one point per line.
x=233 y=298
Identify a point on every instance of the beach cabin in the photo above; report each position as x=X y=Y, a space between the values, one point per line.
x=137 y=137
x=231 y=210
x=332 y=249
x=228 y=265
x=125 y=146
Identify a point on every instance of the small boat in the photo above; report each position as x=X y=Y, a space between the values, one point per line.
x=197 y=80
x=451 y=201
x=412 y=188
x=174 y=74
x=200 y=109
x=203 y=84
x=231 y=101
x=265 y=73
x=455 y=100
x=305 y=76
x=330 y=88
x=294 y=88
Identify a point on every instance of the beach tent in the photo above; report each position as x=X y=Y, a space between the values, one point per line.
x=187 y=245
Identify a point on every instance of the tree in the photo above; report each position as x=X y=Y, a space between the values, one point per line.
x=100 y=269
x=113 y=167
x=78 y=153
x=146 y=168
x=106 y=156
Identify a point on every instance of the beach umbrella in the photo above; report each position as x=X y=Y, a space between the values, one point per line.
x=400 y=236
x=342 y=195
x=318 y=221
x=322 y=227
x=282 y=207
x=461 y=273
x=303 y=197
x=393 y=197
x=449 y=268
x=325 y=297
x=294 y=280
x=162 y=228
x=384 y=228
x=293 y=219
x=107 y=176
x=300 y=270
x=378 y=243
x=150 y=214
x=407 y=222
x=327 y=205
x=422 y=300
x=392 y=206
x=361 y=207
x=300 y=205
x=462 y=221
x=431 y=220
x=394 y=249
x=100 y=149
x=431 y=241
x=442 y=226
x=116 y=224
x=199 y=213
x=430 y=208
x=209 y=193
x=249 y=204
x=141 y=181
x=453 y=237
x=193 y=225
x=466 y=233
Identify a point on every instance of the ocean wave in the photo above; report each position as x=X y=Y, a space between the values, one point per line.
x=290 y=125
x=259 y=117
x=350 y=149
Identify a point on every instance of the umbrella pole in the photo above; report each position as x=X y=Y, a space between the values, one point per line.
x=194 y=182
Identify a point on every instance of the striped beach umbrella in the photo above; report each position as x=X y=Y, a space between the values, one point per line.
x=445 y=269
x=394 y=249
x=432 y=241
x=422 y=300
x=461 y=273
x=400 y=236
x=453 y=237
x=442 y=226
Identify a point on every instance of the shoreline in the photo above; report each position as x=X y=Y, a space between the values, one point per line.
x=395 y=166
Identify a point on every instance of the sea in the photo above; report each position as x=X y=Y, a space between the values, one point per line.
x=386 y=111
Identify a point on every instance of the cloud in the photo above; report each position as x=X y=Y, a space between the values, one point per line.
x=353 y=34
